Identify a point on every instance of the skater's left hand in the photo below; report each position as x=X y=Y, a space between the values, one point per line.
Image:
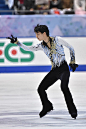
x=73 y=66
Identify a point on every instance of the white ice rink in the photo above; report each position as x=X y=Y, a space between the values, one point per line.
x=20 y=104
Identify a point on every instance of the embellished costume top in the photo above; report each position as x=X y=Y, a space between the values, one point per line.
x=55 y=53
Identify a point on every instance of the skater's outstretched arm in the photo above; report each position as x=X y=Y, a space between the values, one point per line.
x=14 y=40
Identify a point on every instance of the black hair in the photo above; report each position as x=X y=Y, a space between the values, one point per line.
x=42 y=29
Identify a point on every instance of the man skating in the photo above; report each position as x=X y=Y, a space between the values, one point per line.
x=53 y=48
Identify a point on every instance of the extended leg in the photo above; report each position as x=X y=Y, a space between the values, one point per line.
x=68 y=97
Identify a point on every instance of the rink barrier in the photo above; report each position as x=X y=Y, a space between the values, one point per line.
x=19 y=69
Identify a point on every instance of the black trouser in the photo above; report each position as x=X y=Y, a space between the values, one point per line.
x=63 y=74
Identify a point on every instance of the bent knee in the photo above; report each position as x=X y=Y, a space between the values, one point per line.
x=38 y=89
x=41 y=88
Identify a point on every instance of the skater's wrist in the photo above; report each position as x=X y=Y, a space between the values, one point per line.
x=16 y=42
x=72 y=62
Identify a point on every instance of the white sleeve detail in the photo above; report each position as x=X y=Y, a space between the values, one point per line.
x=64 y=43
x=30 y=48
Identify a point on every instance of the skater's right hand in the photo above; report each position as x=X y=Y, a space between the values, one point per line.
x=13 y=39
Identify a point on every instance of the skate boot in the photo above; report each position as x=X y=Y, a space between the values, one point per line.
x=47 y=108
x=74 y=115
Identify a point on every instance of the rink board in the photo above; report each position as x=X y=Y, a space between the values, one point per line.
x=18 y=69
x=14 y=59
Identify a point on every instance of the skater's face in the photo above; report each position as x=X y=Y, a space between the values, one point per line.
x=40 y=36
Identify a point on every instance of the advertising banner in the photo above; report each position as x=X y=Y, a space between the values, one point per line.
x=15 y=59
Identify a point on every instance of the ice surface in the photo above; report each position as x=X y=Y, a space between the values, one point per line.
x=20 y=104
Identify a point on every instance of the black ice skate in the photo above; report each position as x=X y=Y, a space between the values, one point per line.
x=74 y=115
x=46 y=110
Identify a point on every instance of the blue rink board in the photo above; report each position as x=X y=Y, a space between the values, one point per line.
x=18 y=69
